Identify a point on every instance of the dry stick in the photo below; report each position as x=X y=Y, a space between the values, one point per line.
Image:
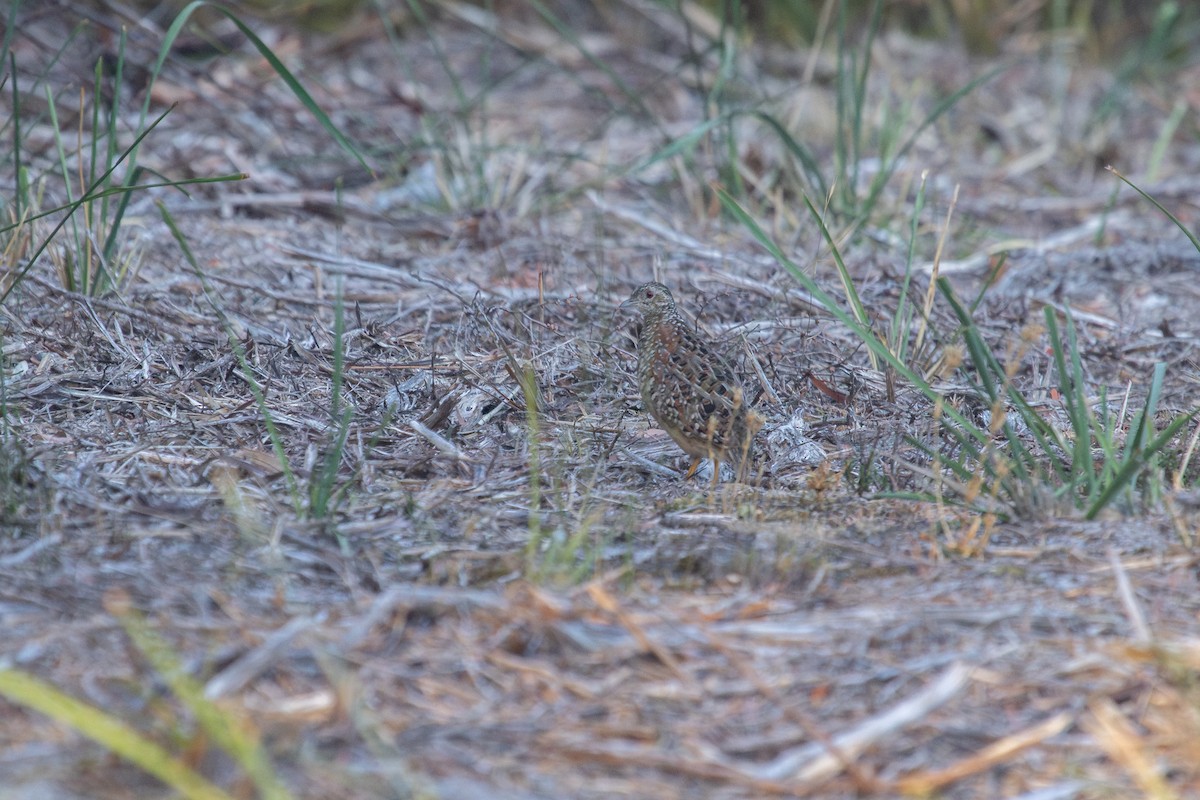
x=409 y=596
x=626 y=756
x=762 y=376
x=1065 y=790
x=1141 y=630
x=662 y=231
x=647 y=464
x=23 y=555
x=1176 y=519
x=928 y=782
x=354 y=267
x=1183 y=465
x=1083 y=315
x=238 y=674
x=815 y=762
x=99 y=302
x=543 y=672
x=330 y=202
x=693 y=246
x=441 y=443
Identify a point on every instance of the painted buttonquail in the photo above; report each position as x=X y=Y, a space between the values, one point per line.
x=688 y=386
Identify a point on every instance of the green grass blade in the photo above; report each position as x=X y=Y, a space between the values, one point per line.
x=562 y=29
x=10 y=29
x=529 y=390
x=900 y=330
x=1071 y=388
x=1136 y=462
x=298 y=90
x=956 y=465
x=994 y=382
x=74 y=282
x=801 y=153
x=1186 y=231
x=113 y=734
x=860 y=311
x=681 y=144
x=322 y=488
x=1020 y=467
x=110 y=242
x=1146 y=425
x=19 y=196
x=231 y=737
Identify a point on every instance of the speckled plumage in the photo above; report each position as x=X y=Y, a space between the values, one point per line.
x=688 y=386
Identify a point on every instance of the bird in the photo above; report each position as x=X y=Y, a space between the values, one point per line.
x=688 y=387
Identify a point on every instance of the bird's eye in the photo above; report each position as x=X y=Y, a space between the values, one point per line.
x=649 y=294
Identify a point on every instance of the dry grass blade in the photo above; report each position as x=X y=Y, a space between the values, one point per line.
x=605 y=599
x=1123 y=744
x=995 y=754
x=1133 y=609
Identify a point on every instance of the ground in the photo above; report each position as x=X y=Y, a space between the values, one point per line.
x=374 y=474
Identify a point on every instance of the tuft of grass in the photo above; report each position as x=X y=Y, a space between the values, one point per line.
x=468 y=171
x=98 y=191
x=565 y=551
x=93 y=259
x=1169 y=36
x=460 y=167
x=546 y=552
x=853 y=195
x=1109 y=456
x=1026 y=459
x=872 y=139
x=89 y=252
x=324 y=492
x=1015 y=463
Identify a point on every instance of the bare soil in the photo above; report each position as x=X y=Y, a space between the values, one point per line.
x=795 y=634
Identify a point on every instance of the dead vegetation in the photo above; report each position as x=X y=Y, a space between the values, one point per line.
x=488 y=579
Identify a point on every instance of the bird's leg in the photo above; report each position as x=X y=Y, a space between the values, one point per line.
x=692 y=469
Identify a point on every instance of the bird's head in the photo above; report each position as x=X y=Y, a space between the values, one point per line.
x=650 y=298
